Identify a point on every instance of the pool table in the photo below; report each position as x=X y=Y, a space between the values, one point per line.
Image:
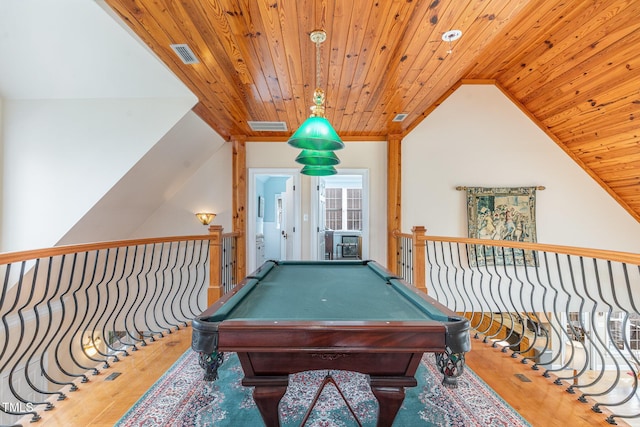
x=293 y=316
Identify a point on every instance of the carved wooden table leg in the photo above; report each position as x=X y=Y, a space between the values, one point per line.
x=267 y=394
x=390 y=395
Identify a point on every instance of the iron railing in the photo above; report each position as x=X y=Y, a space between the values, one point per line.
x=570 y=312
x=229 y=262
x=68 y=312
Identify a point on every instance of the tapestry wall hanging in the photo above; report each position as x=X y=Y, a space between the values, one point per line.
x=501 y=214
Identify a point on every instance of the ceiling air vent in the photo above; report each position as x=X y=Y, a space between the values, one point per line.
x=400 y=117
x=185 y=53
x=268 y=126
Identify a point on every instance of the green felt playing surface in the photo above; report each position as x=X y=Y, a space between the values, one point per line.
x=327 y=292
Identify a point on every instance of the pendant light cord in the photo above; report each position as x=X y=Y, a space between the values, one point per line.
x=318 y=59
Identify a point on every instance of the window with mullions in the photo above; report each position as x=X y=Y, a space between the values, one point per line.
x=333 y=208
x=631 y=330
x=354 y=209
x=574 y=328
x=343 y=208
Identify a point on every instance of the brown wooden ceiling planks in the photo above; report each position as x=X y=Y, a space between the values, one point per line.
x=571 y=66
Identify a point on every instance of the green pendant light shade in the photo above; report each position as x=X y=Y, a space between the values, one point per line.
x=317 y=158
x=312 y=170
x=316 y=133
x=315 y=136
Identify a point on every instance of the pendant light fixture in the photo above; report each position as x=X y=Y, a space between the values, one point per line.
x=315 y=136
x=312 y=170
x=317 y=158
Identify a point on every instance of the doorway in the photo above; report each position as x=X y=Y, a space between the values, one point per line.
x=273 y=223
x=340 y=217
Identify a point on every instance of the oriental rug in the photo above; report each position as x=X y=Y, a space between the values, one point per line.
x=180 y=398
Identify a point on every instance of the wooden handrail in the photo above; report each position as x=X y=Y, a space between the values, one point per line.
x=232 y=234
x=11 y=257
x=626 y=257
x=405 y=235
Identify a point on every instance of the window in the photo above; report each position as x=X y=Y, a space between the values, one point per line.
x=631 y=330
x=574 y=328
x=354 y=209
x=333 y=206
x=343 y=208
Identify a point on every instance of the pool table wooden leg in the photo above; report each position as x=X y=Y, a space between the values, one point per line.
x=390 y=394
x=267 y=394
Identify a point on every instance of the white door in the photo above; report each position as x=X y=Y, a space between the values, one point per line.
x=289 y=228
x=282 y=209
x=321 y=227
x=346 y=178
x=271 y=229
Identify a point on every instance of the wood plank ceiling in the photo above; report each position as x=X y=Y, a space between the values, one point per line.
x=573 y=66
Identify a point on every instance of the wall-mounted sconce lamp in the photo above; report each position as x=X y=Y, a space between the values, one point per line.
x=205 y=217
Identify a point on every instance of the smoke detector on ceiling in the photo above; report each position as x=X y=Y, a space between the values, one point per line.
x=451 y=35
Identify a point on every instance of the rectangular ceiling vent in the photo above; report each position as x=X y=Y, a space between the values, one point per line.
x=400 y=117
x=185 y=53
x=268 y=126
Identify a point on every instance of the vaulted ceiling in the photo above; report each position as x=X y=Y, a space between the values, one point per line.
x=572 y=66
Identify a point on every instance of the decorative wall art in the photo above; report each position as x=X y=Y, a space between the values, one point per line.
x=501 y=214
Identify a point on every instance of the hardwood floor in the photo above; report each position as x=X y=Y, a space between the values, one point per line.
x=101 y=402
x=538 y=400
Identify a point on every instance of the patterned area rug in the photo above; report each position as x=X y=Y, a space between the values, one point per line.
x=181 y=398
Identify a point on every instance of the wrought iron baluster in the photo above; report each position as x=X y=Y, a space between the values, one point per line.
x=65 y=328
x=176 y=282
x=167 y=309
x=75 y=336
x=151 y=273
x=128 y=319
x=115 y=336
x=84 y=322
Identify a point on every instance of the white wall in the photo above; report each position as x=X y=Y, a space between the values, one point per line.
x=356 y=155
x=478 y=137
x=186 y=171
x=209 y=189
x=84 y=101
x=62 y=156
x=1 y=162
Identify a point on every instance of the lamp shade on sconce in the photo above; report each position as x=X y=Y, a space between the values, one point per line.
x=205 y=217
x=316 y=133
x=313 y=170
x=317 y=158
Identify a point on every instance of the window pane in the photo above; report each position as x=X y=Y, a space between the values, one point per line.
x=333 y=206
x=634 y=331
x=354 y=209
x=615 y=324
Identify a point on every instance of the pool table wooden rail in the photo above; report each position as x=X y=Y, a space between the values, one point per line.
x=342 y=336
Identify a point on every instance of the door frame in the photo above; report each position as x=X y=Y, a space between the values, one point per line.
x=252 y=203
x=364 y=173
